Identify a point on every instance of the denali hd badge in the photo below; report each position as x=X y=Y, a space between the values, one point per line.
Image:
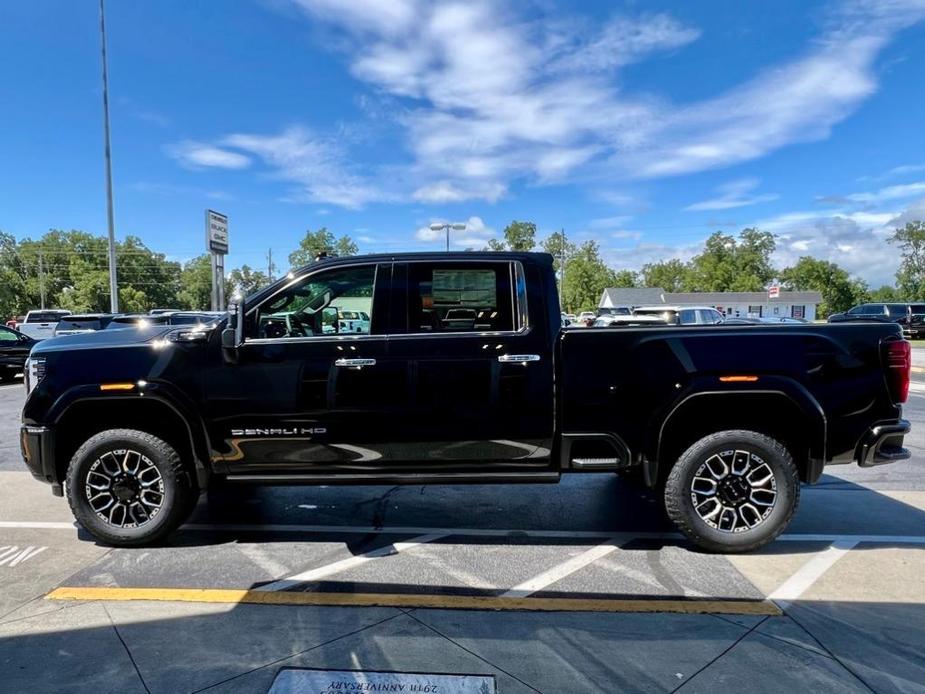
x=285 y=431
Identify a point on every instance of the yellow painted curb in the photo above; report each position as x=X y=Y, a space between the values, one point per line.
x=464 y=602
x=918 y=369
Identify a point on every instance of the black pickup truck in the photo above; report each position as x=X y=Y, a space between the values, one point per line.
x=461 y=374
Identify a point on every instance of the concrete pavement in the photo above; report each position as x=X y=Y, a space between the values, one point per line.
x=848 y=576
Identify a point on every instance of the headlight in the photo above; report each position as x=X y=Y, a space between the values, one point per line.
x=34 y=372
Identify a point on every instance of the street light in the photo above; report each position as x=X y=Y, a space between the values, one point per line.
x=455 y=226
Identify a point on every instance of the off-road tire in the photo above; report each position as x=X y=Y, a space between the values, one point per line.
x=680 y=506
x=178 y=489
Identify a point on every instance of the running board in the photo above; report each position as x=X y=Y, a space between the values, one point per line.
x=597 y=463
x=400 y=478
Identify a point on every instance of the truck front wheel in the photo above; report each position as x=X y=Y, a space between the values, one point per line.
x=733 y=491
x=128 y=488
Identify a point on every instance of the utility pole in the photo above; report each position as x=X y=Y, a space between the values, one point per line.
x=41 y=282
x=270 y=266
x=113 y=285
x=562 y=267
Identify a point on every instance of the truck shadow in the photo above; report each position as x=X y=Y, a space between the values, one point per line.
x=580 y=504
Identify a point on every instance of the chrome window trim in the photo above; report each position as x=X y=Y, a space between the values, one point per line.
x=515 y=268
x=356 y=337
x=304 y=277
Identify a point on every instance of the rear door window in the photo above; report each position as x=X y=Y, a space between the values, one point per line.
x=688 y=317
x=453 y=297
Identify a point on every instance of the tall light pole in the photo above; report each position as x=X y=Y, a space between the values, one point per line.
x=455 y=226
x=113 y=285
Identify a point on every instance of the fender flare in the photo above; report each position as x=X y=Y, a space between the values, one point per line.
x=160 y=393
x=770 y=387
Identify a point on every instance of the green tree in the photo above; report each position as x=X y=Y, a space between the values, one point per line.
x=839 y=291
x=586 y=278
x=246 y=281
x=753 y=269
x=885 y=294
x=315 y=242
x=196 y=283
x=625 y=278
x=11 y=279
x=727 y=264
x=670 y=275
x=518 y=236
x=559 y=247
x=910 y=278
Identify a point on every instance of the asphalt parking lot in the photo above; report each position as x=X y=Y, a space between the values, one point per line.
x=579 y=587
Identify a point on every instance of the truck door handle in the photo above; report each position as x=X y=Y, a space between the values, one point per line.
x=513 y=358
x=355 y=362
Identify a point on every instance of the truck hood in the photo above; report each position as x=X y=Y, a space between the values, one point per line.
x=99 y=339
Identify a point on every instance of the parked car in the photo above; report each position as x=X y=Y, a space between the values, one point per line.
x=888 y=313
x=586 y=317
x=15 y=321
x=14 y=350
x=353 y=321
x=726 y=423
x=743 y=321
x=82 y=323
x=40 y=324
x=683 y=315
x=136 y=320
x=623 y=321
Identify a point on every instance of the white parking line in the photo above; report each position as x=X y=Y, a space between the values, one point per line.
x=810 y=572
x=349 y=563
x=476 y=532
x=560 y=571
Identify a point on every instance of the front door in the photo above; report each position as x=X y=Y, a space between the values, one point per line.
x=310 y=386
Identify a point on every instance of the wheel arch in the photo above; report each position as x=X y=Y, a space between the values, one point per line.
x=789 y=415
x=83 y=417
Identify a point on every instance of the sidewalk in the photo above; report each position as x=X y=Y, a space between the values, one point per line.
x=176 y=647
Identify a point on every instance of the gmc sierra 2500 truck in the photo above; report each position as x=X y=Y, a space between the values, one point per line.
x=463 y=374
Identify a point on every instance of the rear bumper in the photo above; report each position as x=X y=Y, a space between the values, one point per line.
x=883 y=444
x=38 y=451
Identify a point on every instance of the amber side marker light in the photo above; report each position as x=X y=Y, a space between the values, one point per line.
x=738 y=379
x=116 y=386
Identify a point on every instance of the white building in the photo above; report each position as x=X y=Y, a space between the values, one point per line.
x=730 y=304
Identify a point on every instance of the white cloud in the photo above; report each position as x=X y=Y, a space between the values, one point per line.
x=626 y=40
x=201 y=155
x=734 y=194
x=445 y=191
x=609 y=222
x=855 y=240
x=316 y=164
x=907 y=190
x=476 y=234
x=486 y=97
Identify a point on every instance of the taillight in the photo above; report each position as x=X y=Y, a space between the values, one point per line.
x=897 y=358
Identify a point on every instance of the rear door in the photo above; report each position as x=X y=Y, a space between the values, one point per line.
x=478 y=390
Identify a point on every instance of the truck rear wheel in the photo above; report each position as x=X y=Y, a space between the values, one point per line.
x=128 y=488
x=733 y=491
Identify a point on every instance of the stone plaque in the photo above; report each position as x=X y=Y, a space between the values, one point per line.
x=302 y=681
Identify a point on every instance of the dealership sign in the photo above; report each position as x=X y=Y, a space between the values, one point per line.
x=216 y=232
x=774 y=292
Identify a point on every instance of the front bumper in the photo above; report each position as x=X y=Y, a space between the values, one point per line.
x=38 y=452
x=883 y=444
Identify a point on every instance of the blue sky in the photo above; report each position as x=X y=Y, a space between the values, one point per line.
x=645 y=126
